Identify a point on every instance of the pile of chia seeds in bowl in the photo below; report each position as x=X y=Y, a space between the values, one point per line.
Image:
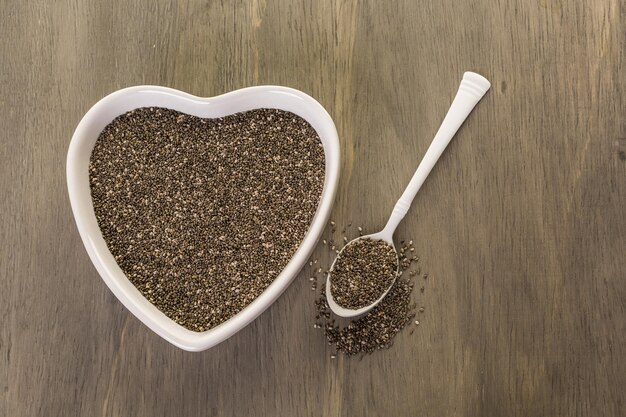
x=203 y=214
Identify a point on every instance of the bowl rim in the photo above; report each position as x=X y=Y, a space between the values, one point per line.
x=111 y=273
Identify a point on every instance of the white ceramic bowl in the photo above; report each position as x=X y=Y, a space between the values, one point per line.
x=119 y=102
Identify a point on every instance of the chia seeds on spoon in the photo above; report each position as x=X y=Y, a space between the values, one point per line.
x=203 y=214
x=378 y=328
x=362 y=272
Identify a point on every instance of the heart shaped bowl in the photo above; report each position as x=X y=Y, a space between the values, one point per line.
x=121 y=101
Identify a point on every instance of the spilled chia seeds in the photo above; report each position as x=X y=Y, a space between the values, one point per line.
x=376 y=329
x=362 y=272
x=203 y=214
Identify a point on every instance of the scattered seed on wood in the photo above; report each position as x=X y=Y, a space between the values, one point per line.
x=376 y=329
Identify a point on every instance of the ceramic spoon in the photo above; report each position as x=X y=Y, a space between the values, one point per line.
x=473 y=87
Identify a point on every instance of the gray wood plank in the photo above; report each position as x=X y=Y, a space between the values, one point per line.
x=521 y=225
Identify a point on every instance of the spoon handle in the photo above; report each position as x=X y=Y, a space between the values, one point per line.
x=473 y=87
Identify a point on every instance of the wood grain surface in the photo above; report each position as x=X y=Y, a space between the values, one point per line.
x=521 y=225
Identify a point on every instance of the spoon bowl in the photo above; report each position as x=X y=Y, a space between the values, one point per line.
x=347 y=312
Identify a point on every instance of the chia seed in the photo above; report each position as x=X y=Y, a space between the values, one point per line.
x=362 y=272
x=203 y=214
x=376 y=329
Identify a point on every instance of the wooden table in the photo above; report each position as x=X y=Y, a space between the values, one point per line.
x=521 y=226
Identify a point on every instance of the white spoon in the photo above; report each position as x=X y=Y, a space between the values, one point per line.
x=473 y=87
